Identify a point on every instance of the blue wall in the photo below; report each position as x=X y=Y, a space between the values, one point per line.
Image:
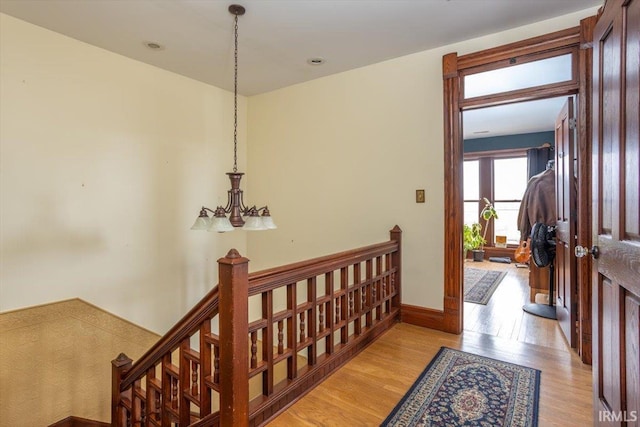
x=524 y=140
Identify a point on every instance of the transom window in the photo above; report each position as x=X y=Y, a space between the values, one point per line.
x=523 y=75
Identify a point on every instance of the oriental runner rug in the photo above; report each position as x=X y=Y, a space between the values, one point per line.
x=479 y=285
x=463 y=389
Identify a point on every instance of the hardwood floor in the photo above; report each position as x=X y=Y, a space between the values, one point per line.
x=365 y=390
x=503 y=315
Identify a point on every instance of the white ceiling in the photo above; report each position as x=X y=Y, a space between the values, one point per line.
x=512 y=119
x=278 y=36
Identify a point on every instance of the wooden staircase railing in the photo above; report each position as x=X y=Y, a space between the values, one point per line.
x=314 y=316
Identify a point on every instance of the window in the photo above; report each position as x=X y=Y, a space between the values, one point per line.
x=471 y=191
x=542 y=72
x=501 y=180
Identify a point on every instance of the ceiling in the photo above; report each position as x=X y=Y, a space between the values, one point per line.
x=277 y=37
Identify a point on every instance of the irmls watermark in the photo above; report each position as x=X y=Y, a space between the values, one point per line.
x=618 y=416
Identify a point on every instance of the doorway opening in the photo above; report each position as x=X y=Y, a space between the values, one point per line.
x=503 y=148
x=573 y=42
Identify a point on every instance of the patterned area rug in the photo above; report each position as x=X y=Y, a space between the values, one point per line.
x=479 y=285
x=462 y=389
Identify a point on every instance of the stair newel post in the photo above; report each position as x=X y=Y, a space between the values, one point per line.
x=234 y=331
x=119 y=366
x=395 y=235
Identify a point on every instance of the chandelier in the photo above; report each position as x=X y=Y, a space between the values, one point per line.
x=254 y=218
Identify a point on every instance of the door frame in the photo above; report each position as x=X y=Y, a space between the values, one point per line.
x=454 y=67
x=566 y=205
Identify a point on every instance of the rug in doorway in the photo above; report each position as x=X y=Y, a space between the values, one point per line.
x=463 y=389
x=479 y=285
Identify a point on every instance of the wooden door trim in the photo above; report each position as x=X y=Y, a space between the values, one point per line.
x=453 y=213
x=566 y=206
x=584 y=225
x=453 y=66
x=547 y=42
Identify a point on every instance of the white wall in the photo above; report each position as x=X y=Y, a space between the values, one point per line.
x=105 y=163
x=338 y=159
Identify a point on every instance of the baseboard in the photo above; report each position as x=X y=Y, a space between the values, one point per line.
x=79 y=422
x=421 y=316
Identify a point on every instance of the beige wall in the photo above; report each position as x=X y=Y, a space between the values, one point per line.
x=339 y=160
x=105 y=162
x=55 y=361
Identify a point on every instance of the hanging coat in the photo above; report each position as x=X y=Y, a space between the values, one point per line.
x=538 y=203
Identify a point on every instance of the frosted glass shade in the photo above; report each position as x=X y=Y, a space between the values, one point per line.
x=254 y=223
x=268 y=223
x=220 y=224
x=202 y=223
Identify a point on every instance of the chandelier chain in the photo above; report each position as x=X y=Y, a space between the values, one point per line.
x=256 y=218
x=235 y=99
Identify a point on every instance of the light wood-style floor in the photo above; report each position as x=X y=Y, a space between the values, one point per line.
x=365 y=390
x=503 y=315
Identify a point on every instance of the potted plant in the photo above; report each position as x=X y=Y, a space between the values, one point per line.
x=473 y=240
x=488 y=213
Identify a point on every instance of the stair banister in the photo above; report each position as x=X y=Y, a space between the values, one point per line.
x=234 y=354
x=161 y=387
x=205 y=308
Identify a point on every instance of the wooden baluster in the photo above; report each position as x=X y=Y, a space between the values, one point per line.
x=174 y=393
x=205 y=368
x=216 y=364
x=143 y=414
x=182 y=385
x=280 y=337
x=194 y=378
x=302 y=327
x=384 y=287
x=136 y=402
x=321 y=317
x=357 y=298
x=350 y=304
x=344 y=304
x=387 y=281
x=364 y=297
x=337 y=310
x=329 y=341
x=378 y=289
x=166 y=387
x=396 y=261
x=380 y=281
x=151 y=393
x=312 y=318
x=292 y=361
x=371 y=292
x=158 y=405
x=254 y=349
x=267 y=344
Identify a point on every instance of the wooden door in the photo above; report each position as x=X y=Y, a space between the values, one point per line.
x=565 y=262
x=616 y=215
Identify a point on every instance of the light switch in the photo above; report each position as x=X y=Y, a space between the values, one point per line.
x=419 y=196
